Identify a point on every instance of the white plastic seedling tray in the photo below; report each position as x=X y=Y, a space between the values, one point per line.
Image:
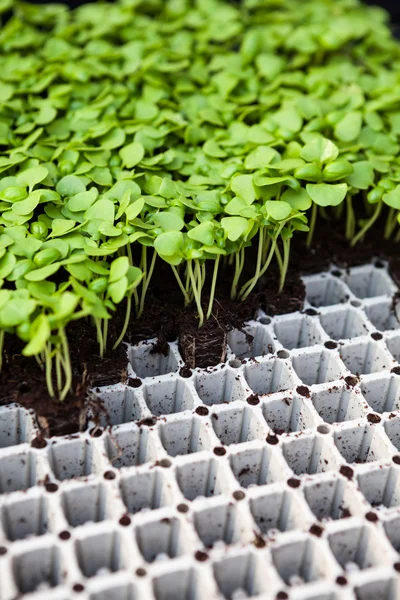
x=275 y=474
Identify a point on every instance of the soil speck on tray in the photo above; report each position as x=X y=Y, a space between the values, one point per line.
x=346 y=471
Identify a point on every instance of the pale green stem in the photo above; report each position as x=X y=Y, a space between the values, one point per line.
x=391 y=223
x=286 y=253
x=146 y=283
x=67 y=366
x=99 y=336
x=58 y=372
x=181 y=286
x=368 y=225
x=2 y=333
x=126 y=321
x=239 y=263
x=49 y=367
x=213 y=284
x=312 y=224
x=196 y=294
x=350 y=219
x=105 y=334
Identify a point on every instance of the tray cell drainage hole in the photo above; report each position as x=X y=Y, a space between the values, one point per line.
x=130 y=447
x=277 y=511
x=18 y=471
x=344 y=323
x=100 y=553
x=147 y=362
x=269 y=376
x=253 y=341
x=170 y=397
x=26 y=517
x=297 y=331
x=240 y=576
x=383 y=315
x=382 y=393
x=331 y=499
x=237 y=425
x=287 y=415
x=86 y=502
x=301 y=562
x=310 y=455
x=357 y=548
x=201 y=478
x=145 y=491
x=219 y=387
x=115 y=591
x=369 y=281
x=381 y=487
x=362 y=358
x=186 y=436
x=119 y=406
x=361 y=444
x=218 y=523
x=318 y=366
x=161 y=539
x=15 y=426
x=257 y=466
x=325 y=290
x=37 y=568
x=70 y=459
x=338 y=404
x=182 y=584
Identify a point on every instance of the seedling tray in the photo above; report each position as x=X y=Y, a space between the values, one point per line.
x=275 y=474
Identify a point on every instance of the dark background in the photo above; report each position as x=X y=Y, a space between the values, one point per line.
x=393 y=6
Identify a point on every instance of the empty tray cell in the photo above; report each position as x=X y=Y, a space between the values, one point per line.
x=172 y=396
x=37 y=567
x=392 y=429
x=99 y=553
x=219 y=523
x=145 y=491
x=114 y=590
x=184 y=436
x=202 y=478
x=332 y=499
x=357 y=547
x=382 y=393
x=119 y=405
x=25 y=517
x=269 y=376
x=182 y=584
x=338 y=403
x=240 y=576
x=378 y=589
x=85 y=502
x=297 y=331
x=392 y=530
x=277 y=511
x=130 y=446
x=15 y=426
x=361 y=444
x=344 y=322
x=257 y=466
x=381 y=487
x=369 y=281
x=286 y=415
x=362 y=358
x=393 y=344
x=236 y=425
x=161 y=538
x=383 y=314
x=219 y=387
x=325 y=290
x=72 y=458
x=318 y=366
x=254 y=340
x=18 y=471
x=301 y=561
x=147 y=361
x=310 y=455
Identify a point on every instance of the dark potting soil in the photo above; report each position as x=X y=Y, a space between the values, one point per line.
x=22 y=379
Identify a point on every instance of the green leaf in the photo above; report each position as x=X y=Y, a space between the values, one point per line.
x=349 y=128
x=7 y=264
x=40 y=333
x=298 y=199
x=242 y=186
x=392 y=198
x=324 y=194
x=102 y=209
x=43 y=273
x=119 y=268
x=203 y=233
x=363 y=175
x=117 y=290
x=261 y=157
x=234 y=227
x=134 y=209
x=132 y=154
x=30 y=177
x=319 y=149
x=83 y=200
x=25 y=207
x=169 y=243
x=70 y=185
x=16 y=311
x=113 y=139
x=168 y=221
x=278 y=210
x=61 y=227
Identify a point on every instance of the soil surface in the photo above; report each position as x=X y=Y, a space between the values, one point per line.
x=22 y=379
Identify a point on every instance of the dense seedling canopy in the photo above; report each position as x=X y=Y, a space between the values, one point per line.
x=187 y=130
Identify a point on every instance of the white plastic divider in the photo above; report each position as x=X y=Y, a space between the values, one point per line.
x=275 y=475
